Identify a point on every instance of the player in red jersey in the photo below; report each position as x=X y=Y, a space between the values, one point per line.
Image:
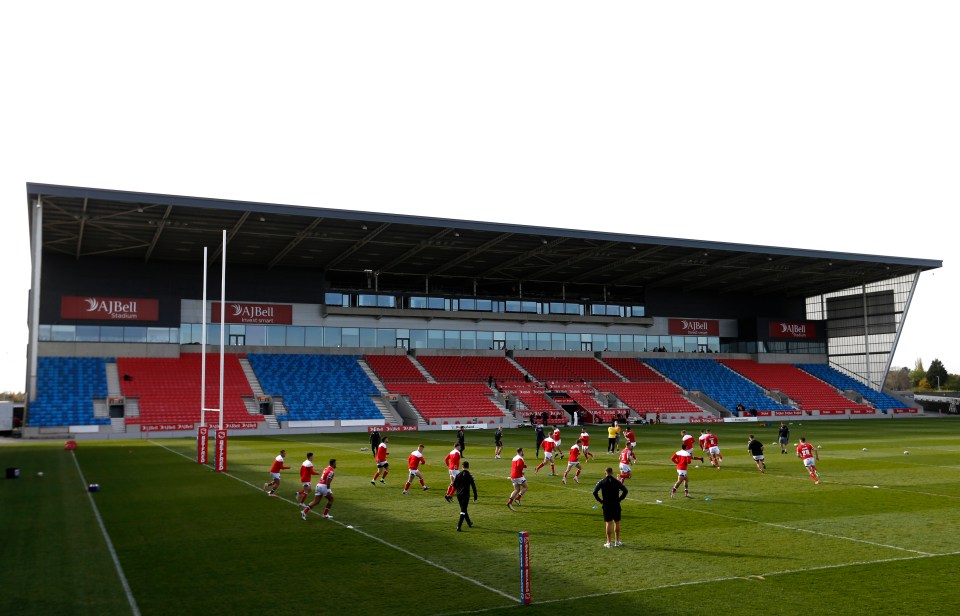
x=713 y=449
x=382 y=464
x=585 y=445
x=631 y=437
x=306 y=473
x=414 y=460
x=556 y=440
x=626 y=457
x=682 y=459
x=574 y=461
x=702 y=439
x=517 y=479
x=323 y=491
x=810 y=457
x=271 y=487
x=452 y=461
x=686 y=440
x=549 y=446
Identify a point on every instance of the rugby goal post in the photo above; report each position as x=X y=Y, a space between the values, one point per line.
x=220 y=442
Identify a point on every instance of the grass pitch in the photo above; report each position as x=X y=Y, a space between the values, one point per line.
x=167 y=536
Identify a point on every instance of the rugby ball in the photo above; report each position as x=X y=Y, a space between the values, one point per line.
x=818 y=447
x=864 y=448
x=40 y=473
x=906 y=453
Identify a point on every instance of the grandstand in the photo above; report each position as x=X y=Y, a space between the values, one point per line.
x=339 y=320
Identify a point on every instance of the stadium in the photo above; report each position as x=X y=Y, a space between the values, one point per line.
x=336 y=323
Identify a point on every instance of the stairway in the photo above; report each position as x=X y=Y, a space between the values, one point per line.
x=422 y=370
x=118 y=424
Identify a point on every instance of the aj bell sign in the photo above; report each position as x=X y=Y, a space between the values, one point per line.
x=253 y=314
x=693 y=327
x=779 y=329
x=109 y=308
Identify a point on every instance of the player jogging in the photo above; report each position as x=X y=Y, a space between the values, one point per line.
x=452 y=461
x=414 y=460
x=271 y=486
x=810 y=457
x=631 y=437
x=585 y=445
x=556 y=440
x=323 y=491
x=755 y=448
x=382 y=465
x=549 y=445
x=682 y=459
x=713 y=449
x=573 y=461
x=626 y=458
x=702 y=440
x=306 y=473
x=517 y=479
x=686 y=440
x=498 y=442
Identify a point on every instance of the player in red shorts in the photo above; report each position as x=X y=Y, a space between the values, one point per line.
x=382 y=464
x=517 y=479
x=271 y=487
x=810 y=457
x=414 y=460
x=306 y=478
x=682 y=459
x=452 y=461
x=323 y=491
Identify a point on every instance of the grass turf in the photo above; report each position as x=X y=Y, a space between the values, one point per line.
x=193 y=541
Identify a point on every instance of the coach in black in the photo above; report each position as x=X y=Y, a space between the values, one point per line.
x=462 y=484
x=612 y=492
x=374 y=441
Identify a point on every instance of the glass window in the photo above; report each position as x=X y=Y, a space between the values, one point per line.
x=417 y=303
x=295 y=335
x=368 y=337
x=541 y=342
x=689 y=344
x=557 y=341
x=468 y=339
x=43 y=333
x=485 y=305
x=613 y=342
x=111 y=334
x=89 y=333
x=599 y=342
x=572 y=342
x=436 y=303
x=512 y=306
x=513 y=340
x=157 y=334
x=434 y=338
x=387 y=338
x=276 y=335
x=350 y=337
x=451 y=339
x=332 y=337
x=467 y=304
x=418 y=338
x=256 y=335
x=134 y=334
x=63 y=333
x=337 y=299
x=484 y=340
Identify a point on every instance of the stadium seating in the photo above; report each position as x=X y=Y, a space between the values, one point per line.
x=651 y=398
x=717 y=382
x=394 y=369
x=168 y=389
x=843 y=382
x=442 y=400
x=634 y=370
x=318 y=387
x=470 y=369
x=66 y=389
x=809 y=392
x=566 y=369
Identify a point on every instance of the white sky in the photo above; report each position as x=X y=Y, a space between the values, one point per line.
x=826 y=125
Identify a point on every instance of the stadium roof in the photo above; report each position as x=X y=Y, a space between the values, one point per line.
x=86 y=222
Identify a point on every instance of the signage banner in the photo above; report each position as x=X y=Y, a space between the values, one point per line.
x=693 y=327
x=804 y=330
x=166 y=427
x=524 y=540
x=220 y=452
x=202 y=441
x=92 y=307
x=393 y=428
x=253 y=314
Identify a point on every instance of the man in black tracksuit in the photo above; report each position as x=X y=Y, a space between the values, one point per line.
x=462 y=484
x=374 y=441
x=612 y=492
x=540 y=437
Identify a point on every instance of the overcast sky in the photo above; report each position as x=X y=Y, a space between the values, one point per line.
x=822 y=125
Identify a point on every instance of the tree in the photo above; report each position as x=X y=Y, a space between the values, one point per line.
x=918 y=373
x=898 y=379
x=936 y=374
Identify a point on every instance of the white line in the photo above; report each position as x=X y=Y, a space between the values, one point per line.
x=113 y=553
x=774 y=525
x=365 y=534
x=712 y=580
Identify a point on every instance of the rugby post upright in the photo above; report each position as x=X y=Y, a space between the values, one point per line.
x=202 y=431
x=220 y=442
